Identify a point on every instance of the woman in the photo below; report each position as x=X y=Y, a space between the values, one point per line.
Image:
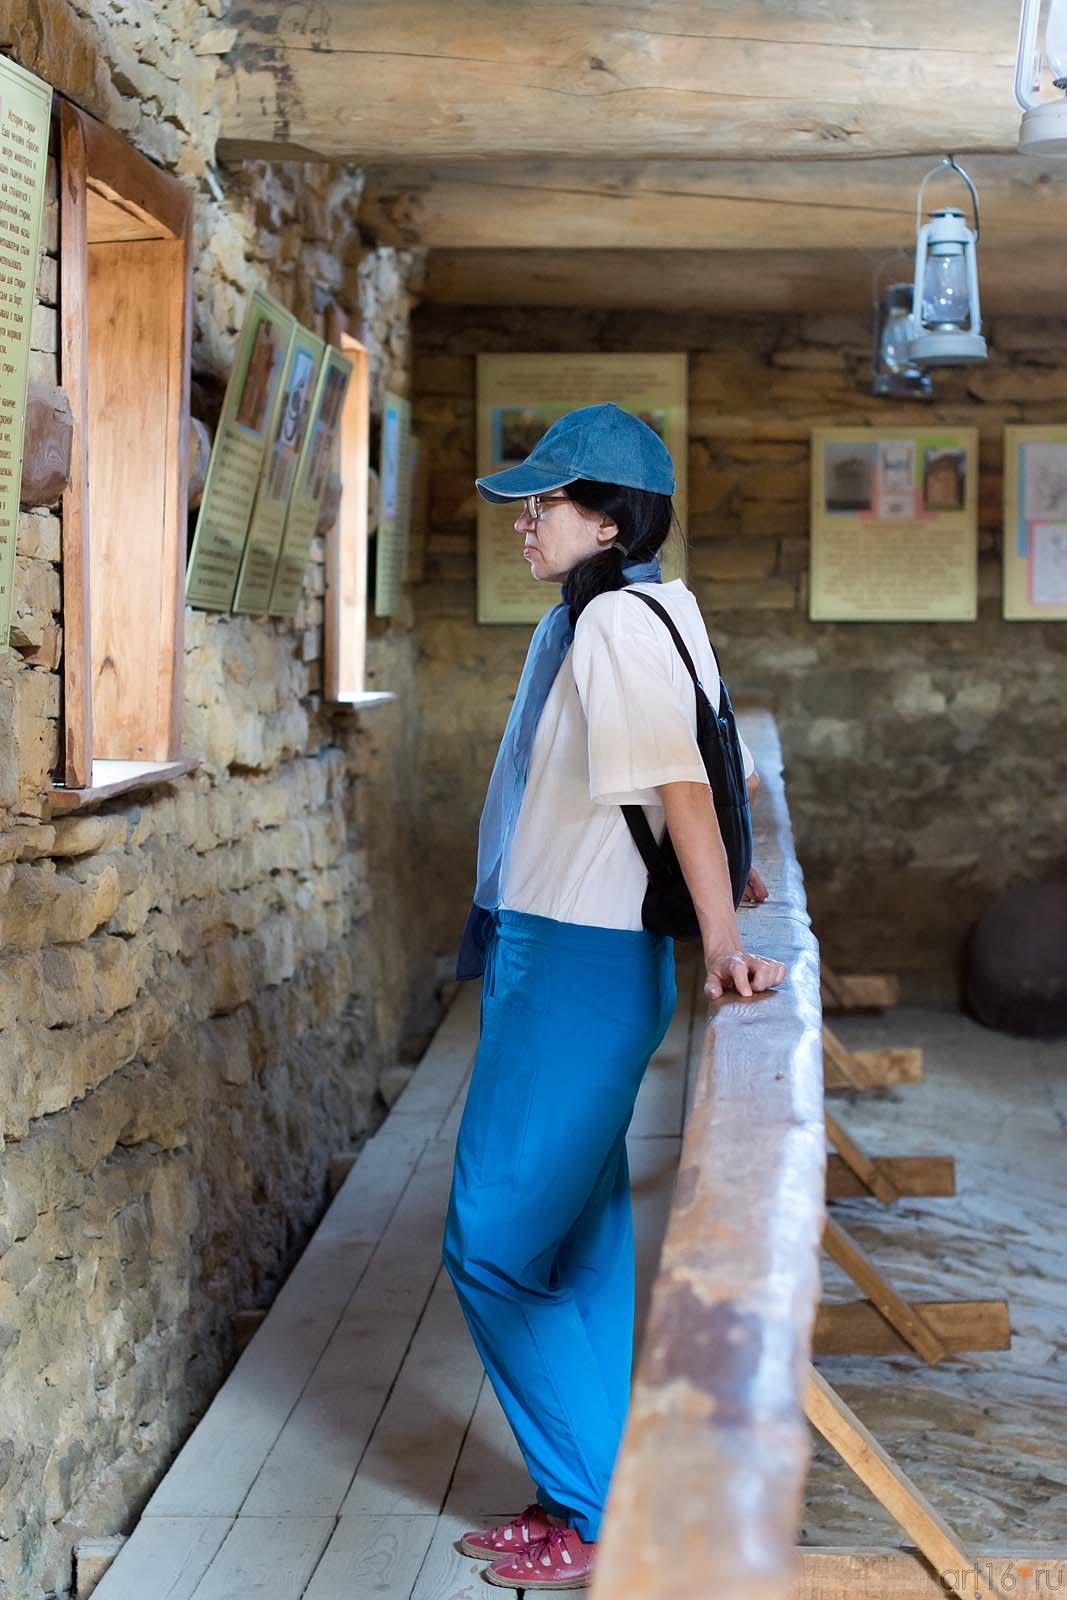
x=576 y=994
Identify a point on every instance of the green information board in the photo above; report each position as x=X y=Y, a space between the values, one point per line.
x=311 y=475
x=249 y=412
x=25 y=109
x=278 y=473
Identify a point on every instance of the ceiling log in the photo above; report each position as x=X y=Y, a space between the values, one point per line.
x=1015 y=279
x=705 y=205
x=416 y=81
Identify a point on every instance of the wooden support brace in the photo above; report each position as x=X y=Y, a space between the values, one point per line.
x=910 y=1323
x=867 y=1069
x=855 y=993
x=856 y=1328
x=925 y=1176
x=875 y=1468
x=870 y=1173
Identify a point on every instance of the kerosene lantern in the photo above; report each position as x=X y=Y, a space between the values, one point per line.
x=1040 y=67
x=946 y=318
x=893 y=373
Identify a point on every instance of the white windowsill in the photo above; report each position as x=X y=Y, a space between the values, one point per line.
x=118 y=777
x=363 y=700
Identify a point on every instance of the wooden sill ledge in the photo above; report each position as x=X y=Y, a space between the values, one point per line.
x=363 y=700
x=118 y=777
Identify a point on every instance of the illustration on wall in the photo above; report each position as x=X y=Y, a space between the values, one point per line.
x=25 y=107
x=519 y=397
x=290 y=417
x=237 y=456
x=894 y=532
x=1035 y=524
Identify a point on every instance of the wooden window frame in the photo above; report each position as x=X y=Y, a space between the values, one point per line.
x=344 y=675
x=123 y=618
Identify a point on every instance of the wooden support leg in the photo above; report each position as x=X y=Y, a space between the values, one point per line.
x=910 y=1175
x=855 y=993
x=856 y=1328
x=908 y=1322
x=860 y=1450
x=870 y=1174
x=867 y=1069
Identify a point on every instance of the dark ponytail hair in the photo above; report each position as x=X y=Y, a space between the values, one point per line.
x=644 y=520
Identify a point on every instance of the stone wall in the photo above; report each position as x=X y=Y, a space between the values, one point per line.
x=200 y=985
x=926 y=763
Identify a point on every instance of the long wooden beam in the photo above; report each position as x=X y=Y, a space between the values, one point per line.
x=418 y=81
x=703 y=205
x=1013 y=277
x=707 y=1490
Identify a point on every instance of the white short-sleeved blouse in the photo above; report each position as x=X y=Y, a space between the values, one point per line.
x=619 y=719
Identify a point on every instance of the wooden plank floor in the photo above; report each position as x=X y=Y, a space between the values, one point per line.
x=357 y=1437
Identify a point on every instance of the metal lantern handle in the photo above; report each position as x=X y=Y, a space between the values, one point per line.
x=953 y=164
x=1027 y=57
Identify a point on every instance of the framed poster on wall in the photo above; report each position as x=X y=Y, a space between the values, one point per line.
x=25 y=108
x=309 y=481
x=396 y=464
x=519 y=397
x=1035 y=524
x=894 y=525
x=248 y=411
x=277 y=476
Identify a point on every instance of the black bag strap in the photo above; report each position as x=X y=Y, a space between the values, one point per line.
x=636 y=821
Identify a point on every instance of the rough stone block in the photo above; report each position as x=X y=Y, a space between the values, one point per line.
x=37 y=598
x=750 y=558
x=43 y=328
x=92 y=1558
x=48 y=280
x=39 y=536
x=769 y=594
x=86 y=835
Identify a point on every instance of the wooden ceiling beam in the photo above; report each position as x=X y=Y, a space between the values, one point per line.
x=1020 y=279
x=705 y=205
x=420 y=82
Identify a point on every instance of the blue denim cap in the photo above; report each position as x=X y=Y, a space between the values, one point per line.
x=602 y=443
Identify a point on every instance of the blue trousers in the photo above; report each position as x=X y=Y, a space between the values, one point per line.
x=539 y=1234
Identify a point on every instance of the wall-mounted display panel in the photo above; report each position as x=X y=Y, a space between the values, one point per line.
x=277 y=478
x=396 y=469
x=1035 y=524
x=519 y=397
x=253 y=395
x=894 y=529
x=25 y=112
x=312 y=472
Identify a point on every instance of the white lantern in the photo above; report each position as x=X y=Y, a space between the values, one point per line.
x=946 y=318
x=1044 y=125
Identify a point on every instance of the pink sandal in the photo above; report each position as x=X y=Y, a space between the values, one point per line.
x=509 y=1538
x=562 y=1559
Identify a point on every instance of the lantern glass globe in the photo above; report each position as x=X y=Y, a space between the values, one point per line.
x=895 y=337
x=1056 y=42
x=946 y=301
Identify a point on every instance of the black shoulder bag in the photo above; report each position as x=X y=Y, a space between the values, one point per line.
x=668 y=905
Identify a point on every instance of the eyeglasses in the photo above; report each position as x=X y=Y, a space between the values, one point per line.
x=535 y=505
